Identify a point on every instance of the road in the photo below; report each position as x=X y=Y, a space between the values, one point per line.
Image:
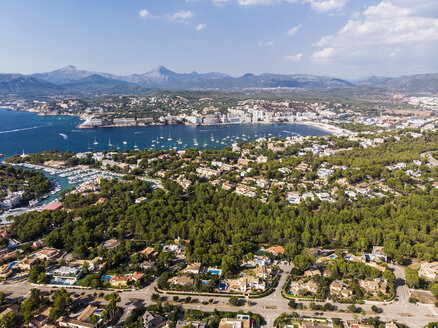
x=271 y=306
x=432 y=161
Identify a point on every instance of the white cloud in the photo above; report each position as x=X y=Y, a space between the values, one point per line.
x=143 y=13
x=200 y=27
x=257 y=2
x=181 y=15
x=326 y=5
x=266 y=43
x=253 y=2
x=389 y=30
x=293 y=58
x=294 y=30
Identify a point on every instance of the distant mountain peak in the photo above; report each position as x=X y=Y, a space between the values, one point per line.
x=70 y=67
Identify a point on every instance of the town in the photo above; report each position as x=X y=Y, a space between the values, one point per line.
x=138 y=268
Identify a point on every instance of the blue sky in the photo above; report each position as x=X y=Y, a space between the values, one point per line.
x=344 y=38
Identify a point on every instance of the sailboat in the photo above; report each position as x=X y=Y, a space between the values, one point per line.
x=135 y=146
x=118 y=147
x=95 y=142
x=161 y=136
x=205 y=143
x=125 y=142
x=89 y=148
x=169 y=139
x=109 y=143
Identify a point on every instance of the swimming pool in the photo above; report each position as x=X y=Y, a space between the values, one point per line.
x=215 y=271
x=106 y=277
x=13 y=264
x=222 y=286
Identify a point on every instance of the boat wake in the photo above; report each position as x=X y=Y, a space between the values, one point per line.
x=64 y=136
x=25 y=129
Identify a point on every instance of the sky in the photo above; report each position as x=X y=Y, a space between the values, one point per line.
x=341 y=38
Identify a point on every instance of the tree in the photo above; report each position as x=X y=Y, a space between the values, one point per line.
x=412 y=278
x=375 y=309
x=352 y=308
x=155 y=297
x=11 y=320
x=292 y=304
x=2 y=297
x=234 y=301
x=61 y=301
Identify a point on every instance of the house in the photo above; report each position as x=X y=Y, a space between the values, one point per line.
x=298 y=288
x=428 y=270
x=262 y=272
x=74 y=323
x=311 y=324
x=153 y=321
x=48 y=254
x=66 y=275
x=119 y=281
x=195 y=268
x=181 y=280
x=339 y=288
x=41 y=318
x=312 y=273
x=87 y=313
x=276 y=250
x=195 y=324
x=146 y=265
x=378 y=255
x=246 y=283
x=111 y=243
x=242 y=321
x=53 y=206
x=149 y=252
x=294 y=198
x=373 y=287
x=136 y=276
x=26 y=263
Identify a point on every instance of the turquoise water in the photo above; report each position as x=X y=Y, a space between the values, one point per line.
x=32 y=133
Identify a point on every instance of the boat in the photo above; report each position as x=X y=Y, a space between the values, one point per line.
x=109 y=143
x=89 y=148
x=205 y=144
x=161 y=136
x=169 y=139
x=125 y=142
x=95 y=142
x=117 y=147
x=136 y=147
x=2 y=155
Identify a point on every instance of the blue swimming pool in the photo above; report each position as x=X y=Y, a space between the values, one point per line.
x=222 y=286
x=106 y=277
x=215 y=271
x=13 y=264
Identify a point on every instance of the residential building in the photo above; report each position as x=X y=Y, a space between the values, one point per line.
x=339 y=288
x=242 y=321
x=428 y=270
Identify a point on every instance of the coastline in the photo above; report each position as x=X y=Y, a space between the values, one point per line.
x=327 y=127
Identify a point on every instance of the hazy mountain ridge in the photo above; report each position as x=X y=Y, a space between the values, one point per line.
x=72 y=81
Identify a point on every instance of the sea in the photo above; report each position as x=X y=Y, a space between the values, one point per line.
x=30 y=133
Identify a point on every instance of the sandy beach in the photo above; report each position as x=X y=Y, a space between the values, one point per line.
x=327 y=127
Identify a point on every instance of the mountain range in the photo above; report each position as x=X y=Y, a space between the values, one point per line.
x=72 y=81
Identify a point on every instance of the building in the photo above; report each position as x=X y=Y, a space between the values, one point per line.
x=373 y=287
x=111 y=243
x=428 y=270
x=242 y=321
x=378 y=254
x=195 y=268
x=48 y=254
x=195 y=324
x=66 y=275
x=338 y=288
x=153 y=321
x=74 y=323
x=181 y=280
x=119 y=281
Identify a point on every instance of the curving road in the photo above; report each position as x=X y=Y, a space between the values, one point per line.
x=272 y=306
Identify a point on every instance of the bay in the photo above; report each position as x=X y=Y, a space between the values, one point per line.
x=29 y=132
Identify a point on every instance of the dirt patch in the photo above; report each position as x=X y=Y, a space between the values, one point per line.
x=424 y=297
